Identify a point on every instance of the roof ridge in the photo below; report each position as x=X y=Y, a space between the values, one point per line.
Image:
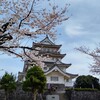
x=48 y=39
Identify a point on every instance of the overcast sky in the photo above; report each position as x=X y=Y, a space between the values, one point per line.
x=82 y=29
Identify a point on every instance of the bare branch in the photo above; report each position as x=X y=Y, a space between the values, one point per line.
x=22 y=47
x=31 y=59
x=14 y=53
x=5 y=37
x=83 y=49
x=27 y=14
x=95 y=54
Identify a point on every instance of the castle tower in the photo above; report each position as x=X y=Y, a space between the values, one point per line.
x=53 y=67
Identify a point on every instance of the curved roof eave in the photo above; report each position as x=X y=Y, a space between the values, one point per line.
x=57 y=69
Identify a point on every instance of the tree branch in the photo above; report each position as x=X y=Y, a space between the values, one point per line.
x=5 y=37
x=22 y=47
x=12 y=52
x=4 y=27
x=28 y=56
x=27 y=14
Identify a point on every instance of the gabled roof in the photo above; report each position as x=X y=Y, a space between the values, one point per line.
x=46 y=40
x=55 y=68
x=72 y=75
x=57 y=63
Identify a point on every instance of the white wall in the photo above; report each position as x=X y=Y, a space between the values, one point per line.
x=69 y=83
x=61 y=79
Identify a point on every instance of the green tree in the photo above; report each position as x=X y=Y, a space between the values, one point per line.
x=87 y=82
x=7 y=83
x=35 y=81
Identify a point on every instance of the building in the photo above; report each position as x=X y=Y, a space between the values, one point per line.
x=53 y=67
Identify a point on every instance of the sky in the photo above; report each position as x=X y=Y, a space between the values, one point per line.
x=82 y=29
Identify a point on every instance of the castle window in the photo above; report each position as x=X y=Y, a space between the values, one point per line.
x=54 y=78
x=67 y=80
x=45 y=68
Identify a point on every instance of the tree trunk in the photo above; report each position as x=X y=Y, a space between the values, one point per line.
x=34 y=95
x=40 y=96
x=6 y=95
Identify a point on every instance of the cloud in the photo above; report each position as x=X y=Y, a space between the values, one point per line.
x=84 y=24
x=74 y=29
x=80 y=62
x=82 y=28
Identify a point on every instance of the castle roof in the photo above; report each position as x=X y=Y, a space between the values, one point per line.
x=46 y=40
x=57 y=63
x=47 y=43
x=57 y=55
x=56 y=68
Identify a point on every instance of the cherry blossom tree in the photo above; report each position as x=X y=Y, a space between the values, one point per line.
x=95 y=54
x=21 y=20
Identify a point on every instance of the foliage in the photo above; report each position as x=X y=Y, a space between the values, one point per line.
x=87 y=82
x=8 y=83
x=22 y=21
x=35 y=80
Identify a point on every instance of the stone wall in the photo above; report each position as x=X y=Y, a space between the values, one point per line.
x=19 y=94
x=2 y=94
x=16 y=95
x=83 y=95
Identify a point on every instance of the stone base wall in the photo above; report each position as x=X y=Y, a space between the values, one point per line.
x=16 y=95
x=83 y=95
x=19 y=94
x=2 y=95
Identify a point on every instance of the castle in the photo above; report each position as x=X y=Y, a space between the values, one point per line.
x=53 y=67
